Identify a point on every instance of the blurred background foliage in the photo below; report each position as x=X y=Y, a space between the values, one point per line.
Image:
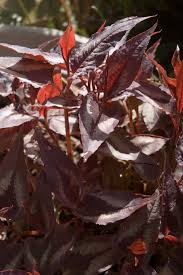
x=88 y=15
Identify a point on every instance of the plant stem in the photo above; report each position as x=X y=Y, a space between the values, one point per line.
x=67 y=131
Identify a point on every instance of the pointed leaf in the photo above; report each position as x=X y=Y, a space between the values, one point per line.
x=170 y=82
x=62 y=174
x=9 y=117
x=46 y=92
x=102 y=27
x=67 y=42
x=95 y=124
x=42 y=216
x=31 y=71
x=147 y=167
x=124 y=63
x=83 y=59
x=157 y=96
x=150 y=114
x=36 y=54
x=126 y=148
x=176 y=62
x=151 y=228
x=109 y=206
x=13 y=180
x=146 y=69
x=47 y=253
x=148 y=144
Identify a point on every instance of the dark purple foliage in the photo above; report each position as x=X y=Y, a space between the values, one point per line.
x=91 y=157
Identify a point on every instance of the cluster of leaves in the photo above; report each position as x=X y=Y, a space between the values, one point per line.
x=63 y=213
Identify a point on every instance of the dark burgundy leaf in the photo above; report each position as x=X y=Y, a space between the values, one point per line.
x=9 y=117
x=157 y=96
x=62 y=101
x=30 y=71
x=13 y=178
x=173 y=203
x=147 y=167
x=41 y=209
x=128 y=148
x=146 y=69
x=36 y=54
x=92 y=255
x=124 y=63
x=120 y=148
x=131 y=226
x=101 y=263
x=91 y=54
x=174 y=265
x=179 y=150
x=109 y=206
x=47 y=253
x=11 y=255
x=62 y=174
x=92 y=245
x=6 y=137
x=151 y=228
x=96 y=123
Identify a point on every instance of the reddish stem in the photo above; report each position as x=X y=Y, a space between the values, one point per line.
x=67 y=131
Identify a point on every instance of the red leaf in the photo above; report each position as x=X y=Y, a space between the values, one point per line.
x=102 y=27
x=179 y=89
x=67 y=42
x=170 y=82
x=138 y=247
x=171 y=238
x=46 y=92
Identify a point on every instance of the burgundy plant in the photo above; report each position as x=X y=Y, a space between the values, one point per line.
x=91 y=147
